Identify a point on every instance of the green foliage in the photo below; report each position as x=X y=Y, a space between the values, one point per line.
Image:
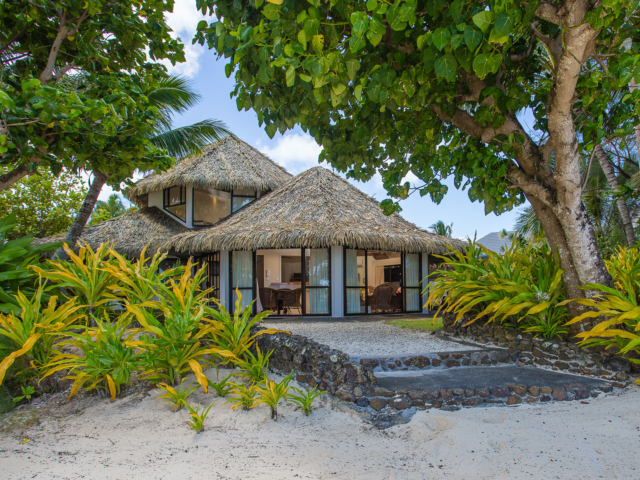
x=75 y=83
x=523 y=286
x=425 y=324
x=31 y=334
x=272 y=392
x=27 y=392
x=198 y=417
x=304 y=399
x=176 y=397
x=244 y=396
x=174 y=345
x=441 y=228
x=620 y=305
x=107 y=358
x=223 y=387
x=84 y=275
x=16 y=256
x=234 y=334
x=112 y=208
x=254 y=367
x=43 y=204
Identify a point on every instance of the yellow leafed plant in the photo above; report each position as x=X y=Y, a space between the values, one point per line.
x=621 y=329
x=84 y=276
x=32 y=333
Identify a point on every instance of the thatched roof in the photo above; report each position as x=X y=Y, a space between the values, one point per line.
x=315 y=209
x=130 y=233
x=226 y=164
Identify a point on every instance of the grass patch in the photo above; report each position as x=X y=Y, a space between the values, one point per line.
x=425 y=324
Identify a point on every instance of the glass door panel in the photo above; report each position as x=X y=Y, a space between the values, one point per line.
x=317 y=281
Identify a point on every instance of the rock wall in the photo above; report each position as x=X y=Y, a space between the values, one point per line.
x=316 y=364
x=553 y=354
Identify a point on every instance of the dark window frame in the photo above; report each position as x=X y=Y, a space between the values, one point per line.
x=212 y=262
x=254 y=196
x=166 y=195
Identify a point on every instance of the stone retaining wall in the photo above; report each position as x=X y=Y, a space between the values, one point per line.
x=316 y=364
x=553 y=354
x=470 y=358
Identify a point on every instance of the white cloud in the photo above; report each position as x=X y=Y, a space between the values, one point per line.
x=296 y=152
x=184 y=22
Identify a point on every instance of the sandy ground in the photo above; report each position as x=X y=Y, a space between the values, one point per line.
x=137 y=438
x=363 y=339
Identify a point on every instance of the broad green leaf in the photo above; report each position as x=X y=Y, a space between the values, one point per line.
x=483 y=20
x=446 y=67
x=472 y=37
x=441 y=38
x=338 y=88
x=271 y=130
x=504 y=23
x=481 y=65
x=456 y=40
x=317 y=42
x=291 y=76
x=5 y=100
x=353 y=66
x=358 y=92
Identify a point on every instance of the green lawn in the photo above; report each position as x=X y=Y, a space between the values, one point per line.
x=425 y=324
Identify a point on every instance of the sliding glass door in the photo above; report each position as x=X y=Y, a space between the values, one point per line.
x=381 y=282
x=317 y=284
x=242 y=275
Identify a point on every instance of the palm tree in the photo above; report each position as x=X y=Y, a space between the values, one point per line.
x=528 y=227
x=173 y=96
x=441 y=228
x=112 y=208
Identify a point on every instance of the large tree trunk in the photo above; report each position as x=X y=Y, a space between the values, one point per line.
x=625 y=216
x=74 y=233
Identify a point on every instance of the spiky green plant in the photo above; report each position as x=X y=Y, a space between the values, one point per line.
x=272 y=392
x=176 y=397
x=254 y=367
x=198 y=417
x=224 y=386
x=305 y=399
x=244 y=396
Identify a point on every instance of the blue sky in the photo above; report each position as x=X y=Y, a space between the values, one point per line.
x=297 y=151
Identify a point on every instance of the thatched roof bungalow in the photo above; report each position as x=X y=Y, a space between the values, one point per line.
x=307 y=245
x=129 y=233
x=224 y=165
x=316 y=209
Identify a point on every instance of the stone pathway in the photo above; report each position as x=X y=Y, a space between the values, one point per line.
x=370 y=339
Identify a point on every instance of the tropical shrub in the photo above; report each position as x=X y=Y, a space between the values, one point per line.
x=620 y=305
x=272 y=392
x=244 y=397
x=198 y=417
x=83 y=276
x=254 y=367
x=176 y=397
x=175 y=346
x=107 y=361
x=234 y=334
x=16 y=256
x=223 y=387
x=31 y=334
x=523 y=287
x=137 y=281
x=305 y=399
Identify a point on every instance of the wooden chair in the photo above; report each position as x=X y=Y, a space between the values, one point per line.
x=292 y=299
x=269 y=299
x=381 y=298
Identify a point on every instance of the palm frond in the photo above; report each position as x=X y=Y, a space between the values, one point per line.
x=188 y=140
x=174 y=93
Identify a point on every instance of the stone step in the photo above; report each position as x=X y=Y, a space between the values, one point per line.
x=437 y=361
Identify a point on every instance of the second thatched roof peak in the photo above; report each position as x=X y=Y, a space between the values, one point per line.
x=226 y=164
x=315 y=209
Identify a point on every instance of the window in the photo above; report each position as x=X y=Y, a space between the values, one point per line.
x=210 y=206
x=212 y=277
x=175 y=202
x=242 y=276
x=241 y=197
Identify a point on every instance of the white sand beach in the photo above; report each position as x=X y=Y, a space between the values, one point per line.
x=136 y=437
